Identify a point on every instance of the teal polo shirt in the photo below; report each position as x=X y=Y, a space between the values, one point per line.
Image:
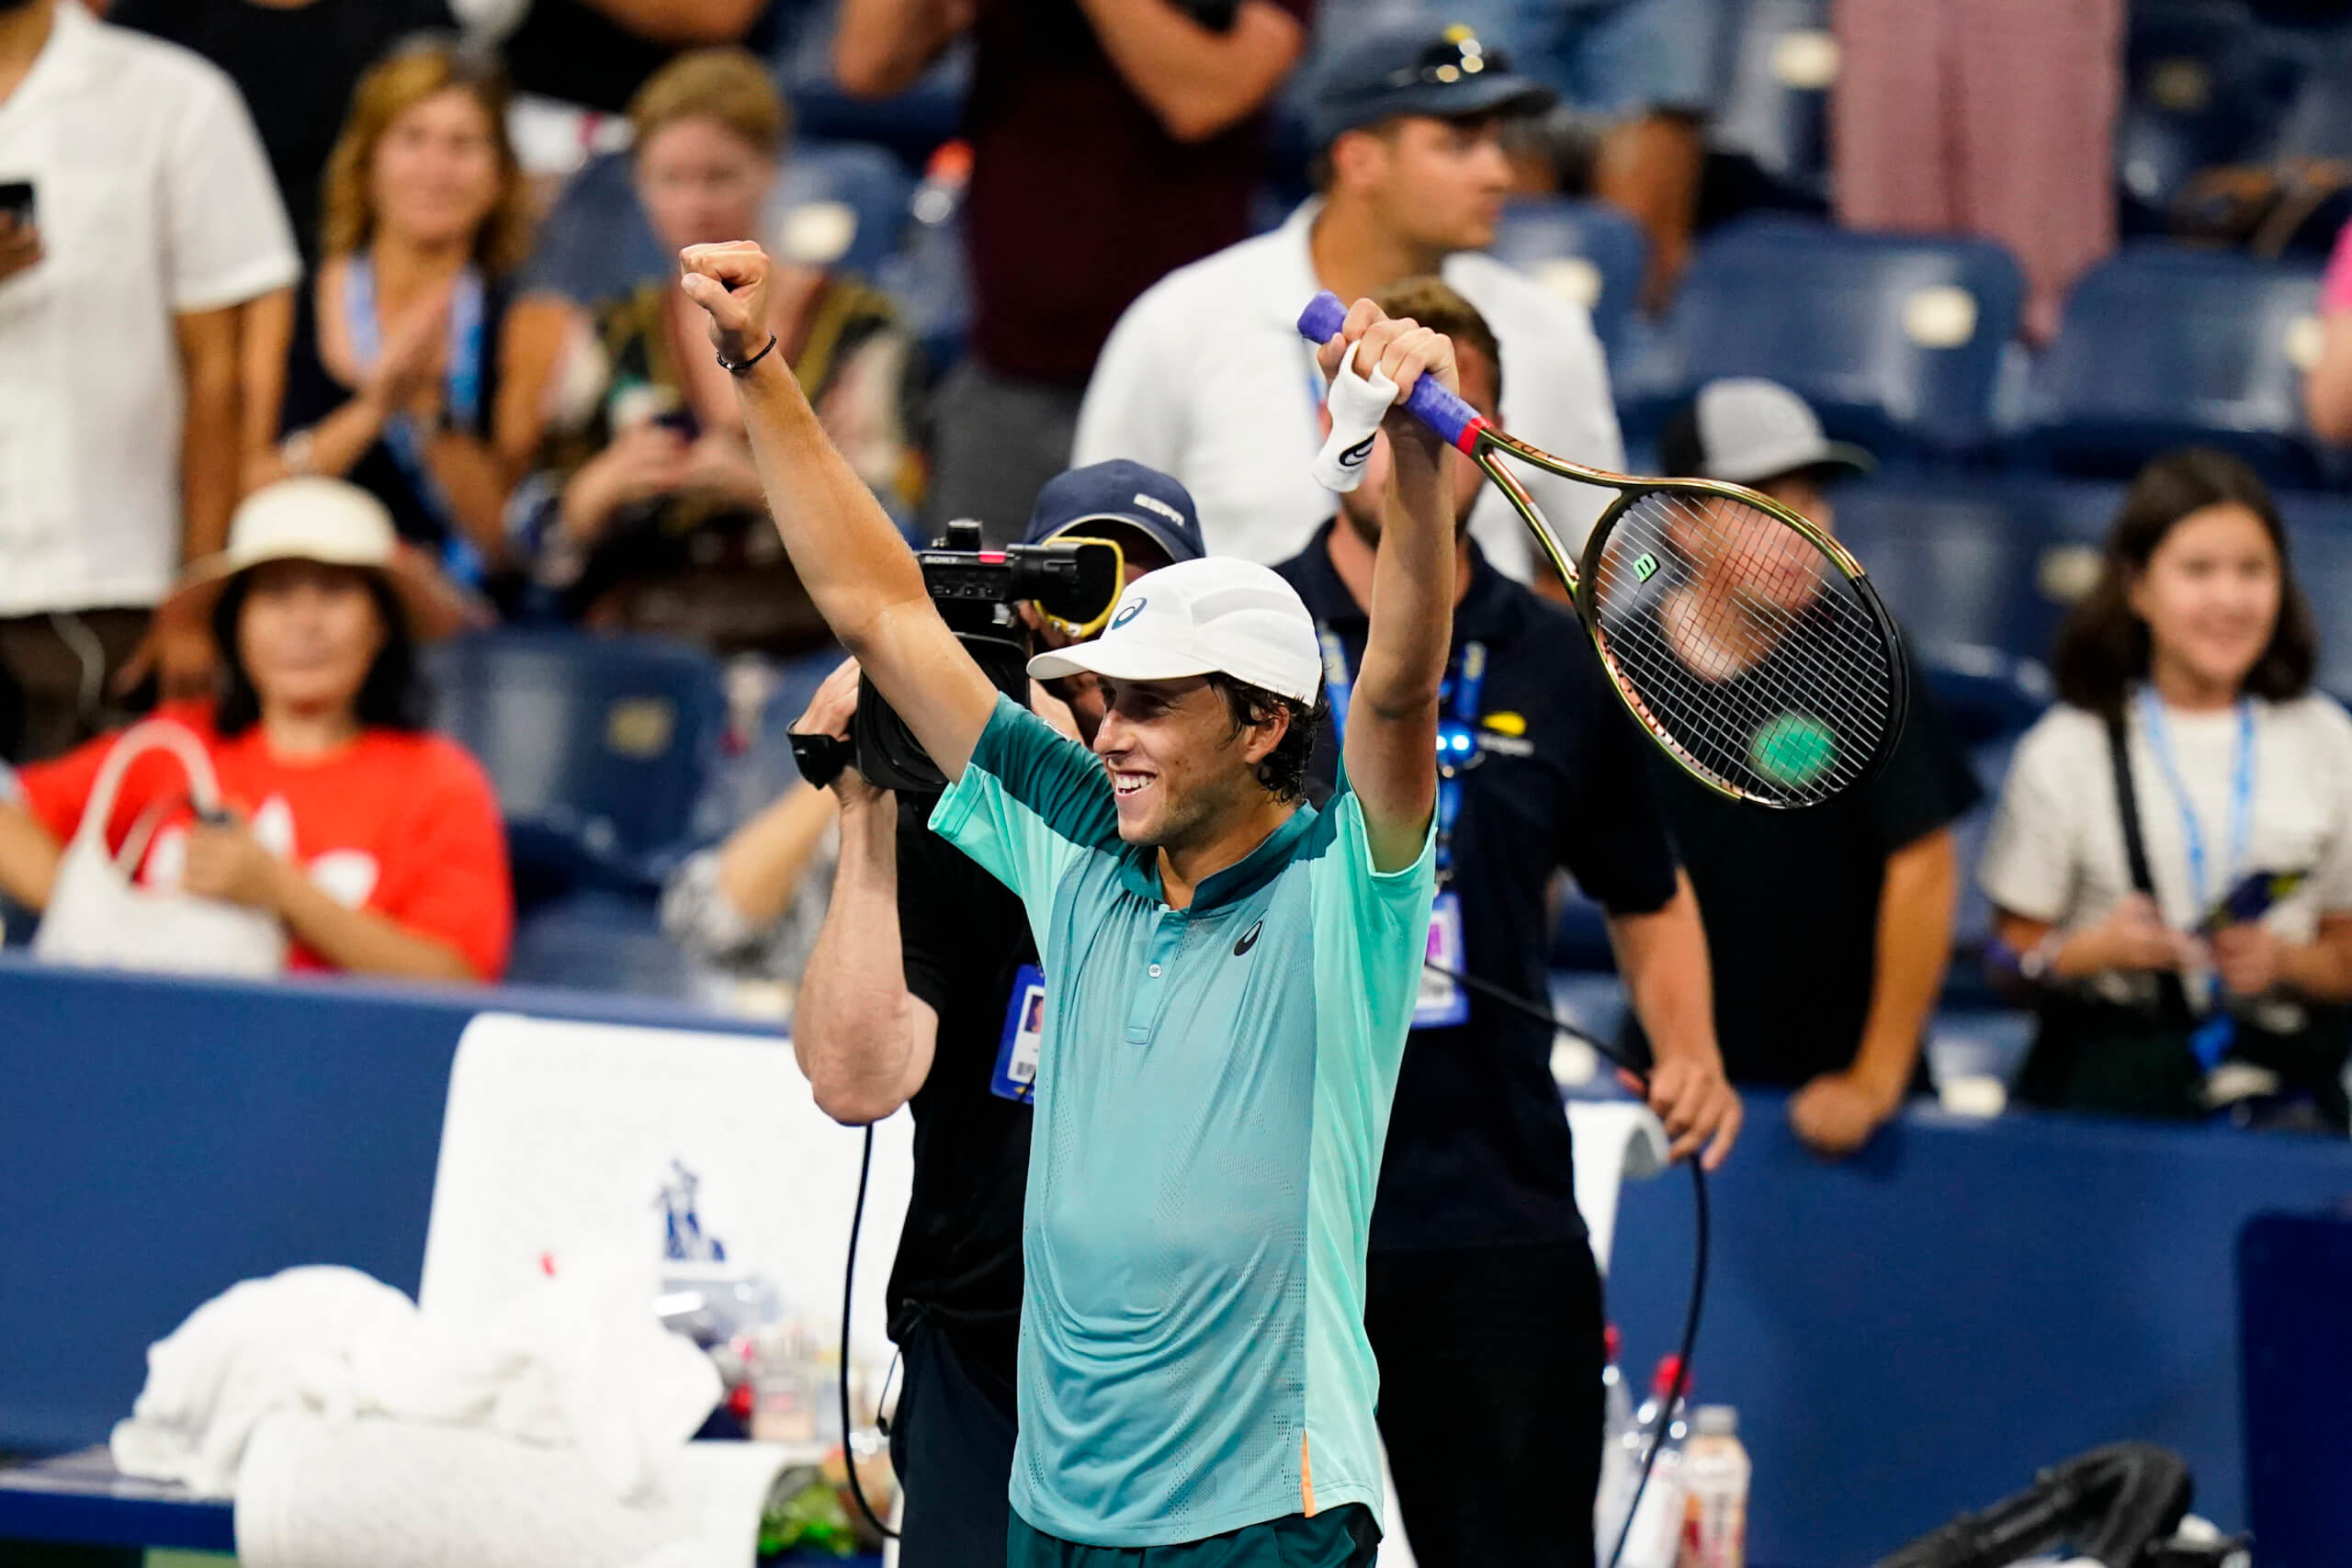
x=1212 y=1093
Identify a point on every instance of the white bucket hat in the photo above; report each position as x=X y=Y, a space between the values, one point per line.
x=335 y=523
x=1215 y=615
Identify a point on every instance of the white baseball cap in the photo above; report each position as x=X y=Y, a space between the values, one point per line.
x=1216 y=614
x=1746 y=430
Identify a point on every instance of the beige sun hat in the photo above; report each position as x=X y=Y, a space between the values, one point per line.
x=330 y=521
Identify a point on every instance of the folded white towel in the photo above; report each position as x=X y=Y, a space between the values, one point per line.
x=1357 y=404
x=580 y=1360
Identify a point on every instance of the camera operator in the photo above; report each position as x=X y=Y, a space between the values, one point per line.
x=928 y=1004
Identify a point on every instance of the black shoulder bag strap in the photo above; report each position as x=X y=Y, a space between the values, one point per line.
x=2172 y=1000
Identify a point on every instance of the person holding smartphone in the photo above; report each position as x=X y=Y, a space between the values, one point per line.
x=135 y=178
x=2187 y=752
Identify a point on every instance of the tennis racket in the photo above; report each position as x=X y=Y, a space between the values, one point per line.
x=1746 y=642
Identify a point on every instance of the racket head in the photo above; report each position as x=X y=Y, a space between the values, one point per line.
x=1746 y=639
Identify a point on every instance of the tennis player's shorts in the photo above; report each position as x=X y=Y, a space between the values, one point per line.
x=1345 y=1537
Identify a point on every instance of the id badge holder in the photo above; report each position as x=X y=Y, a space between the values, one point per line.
x=1441 y=1002
x=1024 y=1028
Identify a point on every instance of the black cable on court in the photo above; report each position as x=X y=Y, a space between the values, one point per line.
x=1492 y=993
x=849 y=1277
x=1545 y=1016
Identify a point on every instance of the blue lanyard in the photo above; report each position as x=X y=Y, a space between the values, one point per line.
x=2152 y=716
x=467 y=329
x=1457 y=738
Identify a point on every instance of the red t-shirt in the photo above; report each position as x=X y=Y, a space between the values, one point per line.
x=403 y=825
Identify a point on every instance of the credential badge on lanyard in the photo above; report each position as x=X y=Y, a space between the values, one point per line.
x=1015 y=1076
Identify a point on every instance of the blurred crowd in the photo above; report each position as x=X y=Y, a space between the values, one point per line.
x=332 y=328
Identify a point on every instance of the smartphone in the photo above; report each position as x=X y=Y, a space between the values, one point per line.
x=16 y=203
x=2255 y=896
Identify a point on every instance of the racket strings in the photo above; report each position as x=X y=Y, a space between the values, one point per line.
x=1745 y=646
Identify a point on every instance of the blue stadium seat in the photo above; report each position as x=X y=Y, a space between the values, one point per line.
x=1775 y=107
x=1966 y=983
x=1897 y=340
x=2204 y=85
x=598 y=939
x=1958 y=571
x=1585 y=251
x=600 y=748
x=2319 y=541
x=2161 y=347
x=2066 y=522
x=844 y=203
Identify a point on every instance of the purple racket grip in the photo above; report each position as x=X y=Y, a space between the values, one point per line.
x=1429 y=402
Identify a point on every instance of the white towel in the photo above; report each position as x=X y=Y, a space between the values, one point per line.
x=1357 y=404
x=580 y=1361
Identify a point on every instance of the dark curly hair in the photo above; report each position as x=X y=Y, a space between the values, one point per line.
x=1282 y=771
x=2103 y=646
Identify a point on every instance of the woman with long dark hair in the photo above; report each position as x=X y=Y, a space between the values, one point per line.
x=377 y=845
x=2188 y=760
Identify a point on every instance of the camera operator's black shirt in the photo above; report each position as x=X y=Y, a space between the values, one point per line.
x=964 y=937
x=1478 y=1150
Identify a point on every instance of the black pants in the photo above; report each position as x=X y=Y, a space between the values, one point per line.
x=951 y=1442
x=1491 y=1400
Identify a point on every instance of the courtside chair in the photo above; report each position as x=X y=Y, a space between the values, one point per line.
x=1897 y=340
x=600 y=749
x=2162 y=347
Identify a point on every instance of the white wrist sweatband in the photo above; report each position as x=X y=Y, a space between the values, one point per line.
x=1357 y=404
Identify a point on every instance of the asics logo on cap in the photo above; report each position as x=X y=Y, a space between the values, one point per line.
x=1355 y=455
x=1127 y=612
x=1153 y=504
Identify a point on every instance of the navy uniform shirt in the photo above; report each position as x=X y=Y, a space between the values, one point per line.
x=1478 y=1149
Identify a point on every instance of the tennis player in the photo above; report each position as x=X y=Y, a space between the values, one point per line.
x=1230 y=977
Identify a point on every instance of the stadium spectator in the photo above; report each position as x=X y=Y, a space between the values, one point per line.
x=651 y=518
x=377 y=845
x=1994 y=118
x=1112 y=140
x=406 y=362
x=2327 y=391
x=296 y=61
x=751 y=907
x=1829 y=929
x=152 y=222
x=576 y=65
x=1637 y=79
x=1482 y=1301
x=2195 y=649
x=1412 y=176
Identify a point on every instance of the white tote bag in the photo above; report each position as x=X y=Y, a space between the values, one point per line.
x=99 y=915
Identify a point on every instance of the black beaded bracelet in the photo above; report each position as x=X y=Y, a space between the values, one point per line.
x=734 y=369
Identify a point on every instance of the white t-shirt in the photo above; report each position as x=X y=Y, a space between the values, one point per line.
x=1206 y=378
x=2055 y=851
x=154 y=199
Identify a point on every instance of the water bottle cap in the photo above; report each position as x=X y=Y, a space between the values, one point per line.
x=1613 y=1339
x=1669 y=1374
x=1718 y=1421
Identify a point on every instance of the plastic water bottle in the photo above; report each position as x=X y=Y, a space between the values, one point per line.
x=1617 y=1464
x=1717 y=1468
x=1656 y=1539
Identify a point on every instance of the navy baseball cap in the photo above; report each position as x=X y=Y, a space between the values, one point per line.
x=1417 y=69
x=1125 y=493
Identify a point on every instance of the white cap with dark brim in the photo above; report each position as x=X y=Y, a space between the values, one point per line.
x=1216 y=616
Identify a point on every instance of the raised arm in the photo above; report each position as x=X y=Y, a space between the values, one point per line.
x=860 y=573
x=1391 y=750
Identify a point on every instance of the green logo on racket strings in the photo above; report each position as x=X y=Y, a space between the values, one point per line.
x=1793 y=750
x=1644 y=567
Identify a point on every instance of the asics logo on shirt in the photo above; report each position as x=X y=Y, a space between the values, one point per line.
x=1248 y=939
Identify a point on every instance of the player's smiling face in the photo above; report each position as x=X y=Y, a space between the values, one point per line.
x=1179 y=766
